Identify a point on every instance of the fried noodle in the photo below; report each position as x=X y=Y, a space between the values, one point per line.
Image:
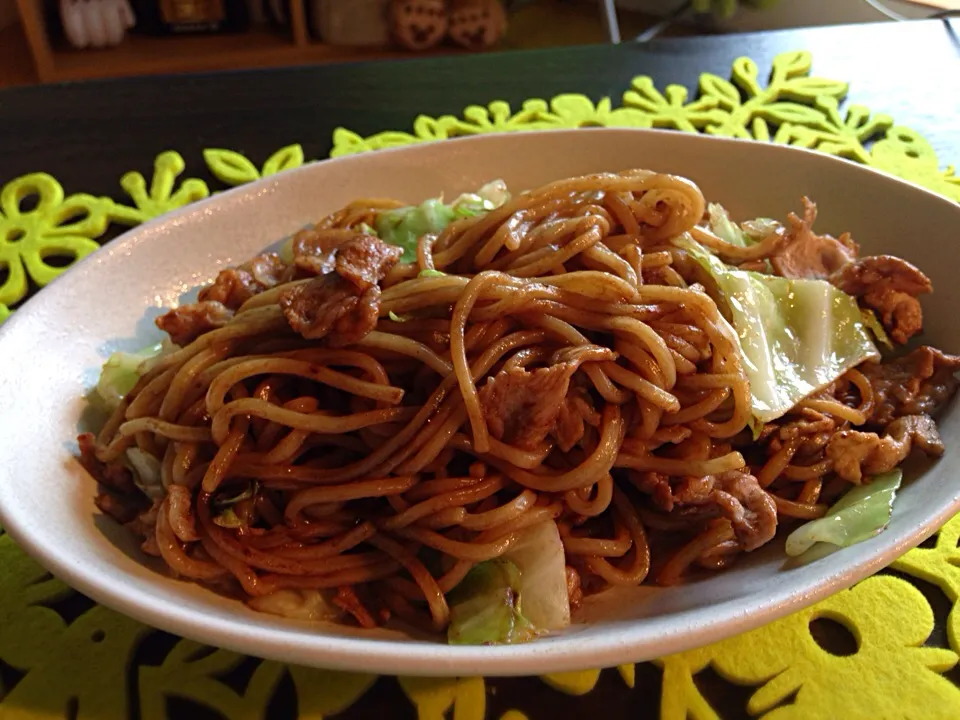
x=567 y=367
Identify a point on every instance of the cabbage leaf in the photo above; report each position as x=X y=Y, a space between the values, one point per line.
x=796 y=336
x=725 y=229
x=298 y=604
x=860 y=514
x=485 y=607
x=514 y=598
x=145 y=469
x=744 y=235
x=121 y=372
x=404 y=226
x=538 y=554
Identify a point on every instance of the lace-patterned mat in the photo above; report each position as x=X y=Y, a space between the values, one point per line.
x=887 y=648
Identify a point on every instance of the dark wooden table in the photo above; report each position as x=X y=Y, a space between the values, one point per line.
x=88 y=135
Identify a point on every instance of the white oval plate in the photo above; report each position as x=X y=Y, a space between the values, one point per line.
x=52 y=348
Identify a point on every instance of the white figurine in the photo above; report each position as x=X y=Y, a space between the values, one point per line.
x=96 y=23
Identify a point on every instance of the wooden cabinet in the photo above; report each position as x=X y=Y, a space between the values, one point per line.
x=139 y=54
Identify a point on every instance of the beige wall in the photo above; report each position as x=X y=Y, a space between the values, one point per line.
x=8 y=12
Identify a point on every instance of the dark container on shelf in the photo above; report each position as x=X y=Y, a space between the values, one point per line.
x=167 y=17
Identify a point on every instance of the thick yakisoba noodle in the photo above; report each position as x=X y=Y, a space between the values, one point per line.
x=378 y=465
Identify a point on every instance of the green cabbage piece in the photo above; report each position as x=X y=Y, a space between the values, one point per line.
x=725 y=229
x=760 y=228
x=539 y=556
x=404 y=226
x=228 y=519
x=245 y=493
x=796 y=336
x=146 y=472
x=223 y=505
x=744 y=235
x=485 y=607
x=487 y=198
x=860 y=514
x=121 y=372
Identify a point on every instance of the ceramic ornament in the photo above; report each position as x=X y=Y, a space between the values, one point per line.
x=477 y=24
x=418 y=24
x=96 y=23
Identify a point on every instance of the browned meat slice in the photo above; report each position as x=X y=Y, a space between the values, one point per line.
x=736 y=496
x=185 y=324
x=113 y=475
x=342 y=305
x=119 y=496
x=575 y=414
x=314 y=249
x=315 y=264
x=921 y=430
x=809 y=433
x=145 y=523
x=522 y=407
x=365 y=260
x=808 y=255
x=916 y=384
x=234 y=286
x=267 y=269
x=890 y=286
x=329 y=306
x=657 y=486
x=360 y=260
x=855 y=454
x=695 y=490
x=810 y=423
x=116 y=507
x=217 y=302
x=748 y=507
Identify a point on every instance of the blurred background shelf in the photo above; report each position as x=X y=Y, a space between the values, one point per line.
x=142 y=55
x=16 y=64
x=34 y=50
